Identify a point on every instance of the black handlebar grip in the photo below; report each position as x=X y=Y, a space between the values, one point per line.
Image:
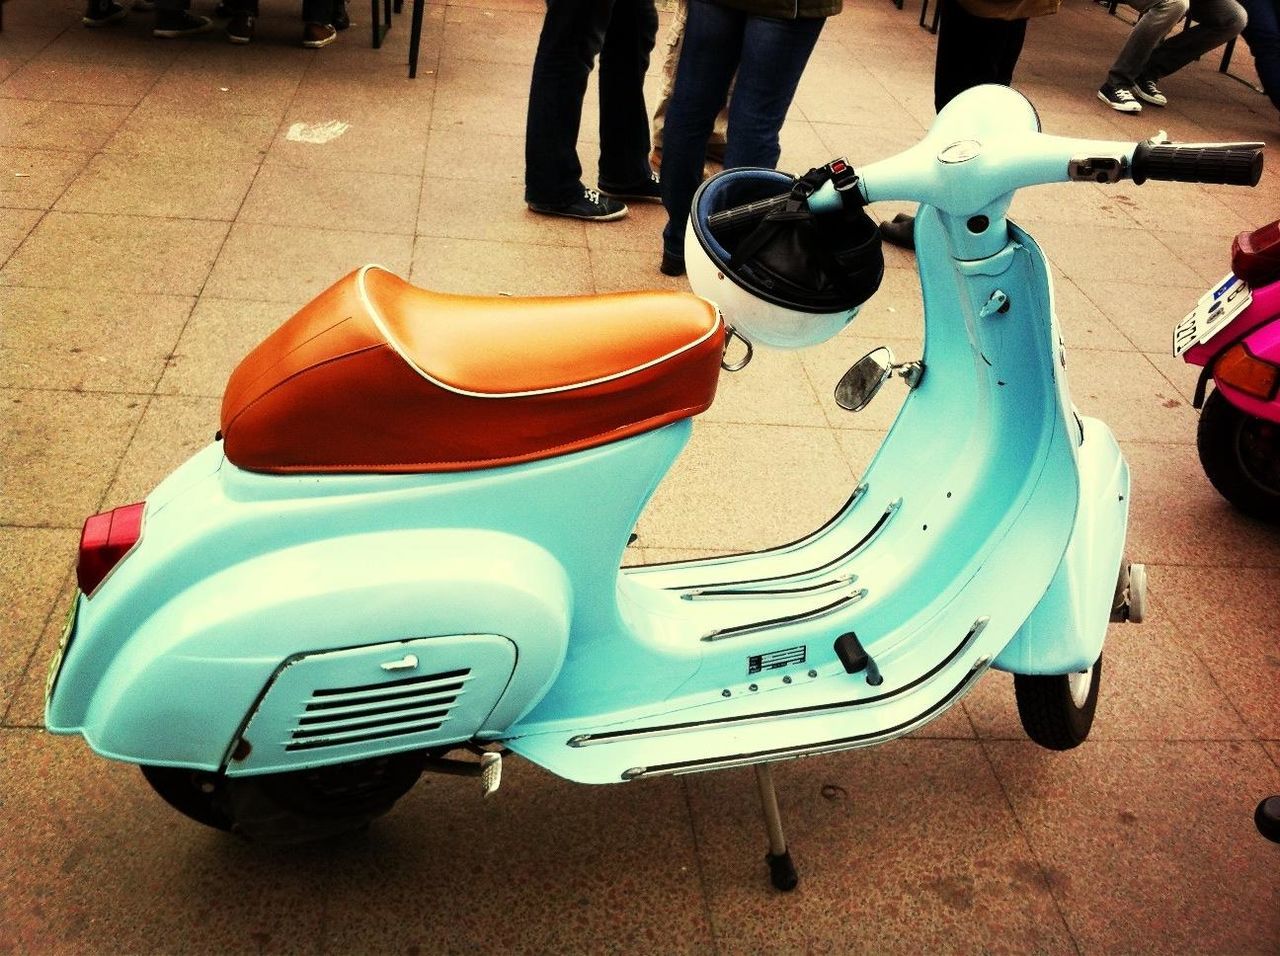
x=1197 y=164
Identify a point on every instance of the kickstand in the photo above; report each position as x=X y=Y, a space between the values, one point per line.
x=782 y=872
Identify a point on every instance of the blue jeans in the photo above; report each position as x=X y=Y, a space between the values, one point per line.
x=1148 y=55
x=574 y=33
x=768 y=56
x=1263 y=36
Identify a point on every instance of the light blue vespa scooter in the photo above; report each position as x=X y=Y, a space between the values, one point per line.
x=284 y=644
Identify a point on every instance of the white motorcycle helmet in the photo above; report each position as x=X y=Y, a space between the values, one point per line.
x=793 y=278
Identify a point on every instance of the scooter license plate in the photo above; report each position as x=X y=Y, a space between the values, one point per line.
x=1213 y=313
x=55 y=665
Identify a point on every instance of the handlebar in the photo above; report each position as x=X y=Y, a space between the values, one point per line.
x=1229 y=164
x=1030 y=159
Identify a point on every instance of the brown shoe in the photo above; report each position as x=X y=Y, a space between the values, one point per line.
x=316 y=35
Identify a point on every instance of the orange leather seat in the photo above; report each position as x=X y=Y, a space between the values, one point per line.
x=376 y=375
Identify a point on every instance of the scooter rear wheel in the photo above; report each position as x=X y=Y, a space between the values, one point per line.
x=294 y=807
x=1240 y=455
x=1057 y=711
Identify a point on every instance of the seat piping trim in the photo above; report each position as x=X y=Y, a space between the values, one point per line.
x=395 y=345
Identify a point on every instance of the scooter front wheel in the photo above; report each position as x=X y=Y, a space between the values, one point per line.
x=294 y=807
x=1057 y=711
x=1240 y=455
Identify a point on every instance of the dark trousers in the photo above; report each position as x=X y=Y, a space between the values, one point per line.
x=621 y=33
x=768 y=55
x=1263 y=36
x=972 y=51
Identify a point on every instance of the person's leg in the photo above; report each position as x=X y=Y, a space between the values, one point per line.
x=972 y=51
x=1156 y=18
x=672 y=45
x=712 y=48
x=1214 y=22
x=624 y=120
x=774 y=55
x=571 y=37
x=1263 y=36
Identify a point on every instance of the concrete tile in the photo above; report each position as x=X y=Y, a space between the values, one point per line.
x=1178 y=373
x=472 y=267
x=640 y=233
x=467 y=210
x=1145 y=313
x=26 y=708
x=34 y=567
x=609 y=867
x=1196 y=210
x=92 y=826
x=1068 y=204
x=229 y=86
x=1146 y=259
x=218 y=335
x=303 y=262
x=862 y=145
x=173 y=428
x=1233 y=633
x=35 y=178
x=1083 y=325
x=59 y=451
x=80 y=81
x=206 y=139
x=881 y=869
x=1127 y=392
x=465 y=103
x=1144 y=821
x=31 y=124
x=1153 y=688
x=320 y=198
x=772 y=390
x=723 y=491
x=487 y=36
x=1205 y=254
x=624 y=270
x=15 y=226
x=109 y=341
x=80 y=250
x=135 y=185
x=375 y=141
x=1177 y=518
x=492 y=158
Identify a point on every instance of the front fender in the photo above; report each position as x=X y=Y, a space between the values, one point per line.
x=178 y=688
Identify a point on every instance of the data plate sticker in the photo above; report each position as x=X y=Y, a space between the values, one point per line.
x=1213 y=313
x=775 y=660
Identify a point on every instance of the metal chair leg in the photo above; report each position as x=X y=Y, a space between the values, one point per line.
x=415 y=36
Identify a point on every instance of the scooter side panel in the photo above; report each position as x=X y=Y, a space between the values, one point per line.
x=179 y=689
x=1066 y=630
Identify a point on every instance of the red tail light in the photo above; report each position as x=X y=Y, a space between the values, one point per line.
x=105 y=540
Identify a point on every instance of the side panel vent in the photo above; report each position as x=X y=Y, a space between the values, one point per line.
x=335 y=706
x=351 y=715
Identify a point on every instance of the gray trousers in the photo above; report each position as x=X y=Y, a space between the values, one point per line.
x=1148 y=55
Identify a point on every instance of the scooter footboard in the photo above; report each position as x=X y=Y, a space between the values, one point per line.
x=335 y=650
x=1066 y=630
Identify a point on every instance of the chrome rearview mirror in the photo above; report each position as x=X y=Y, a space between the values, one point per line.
x=858 y=386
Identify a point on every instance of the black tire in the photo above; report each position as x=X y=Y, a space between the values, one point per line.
x=193 y=793
x=1240 y=455
x=294 y=807
x=1050 y=712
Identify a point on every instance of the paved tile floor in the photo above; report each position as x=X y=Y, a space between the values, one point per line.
x=157 y=219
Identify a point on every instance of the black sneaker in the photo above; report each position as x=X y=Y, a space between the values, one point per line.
x=647 y=191
x=1119 y=98
x=590 y=205
x=100 y=14
x=900 y=231
x=1147 y=91
x=171 y=24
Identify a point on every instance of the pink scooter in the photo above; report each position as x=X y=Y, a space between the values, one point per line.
x=1234 y=335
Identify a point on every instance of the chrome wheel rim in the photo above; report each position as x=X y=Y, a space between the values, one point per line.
x=1079 y=684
